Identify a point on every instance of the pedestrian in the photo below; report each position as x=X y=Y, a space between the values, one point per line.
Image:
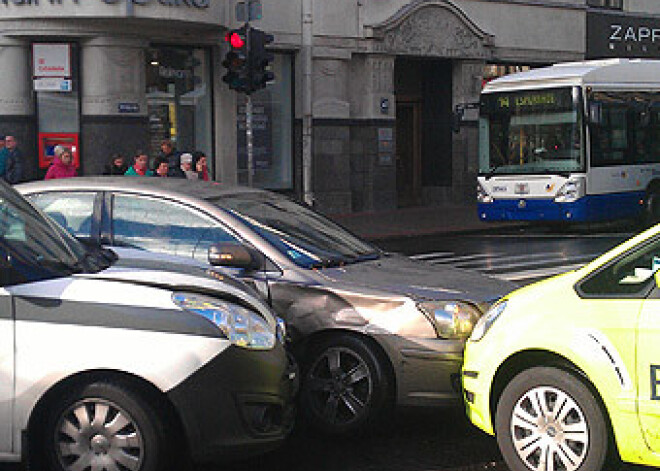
x=62 y=165
x=139 y=167
x=116 y=166
x=173 y=158
x=14 y=167
x=3 y=156
x=161 y=167
x=200 y=163
x=187 y=166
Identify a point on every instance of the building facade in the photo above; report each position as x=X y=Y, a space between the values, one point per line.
x=363 y=114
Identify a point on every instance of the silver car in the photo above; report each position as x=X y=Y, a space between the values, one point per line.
x=105 y=364
x=369 y=329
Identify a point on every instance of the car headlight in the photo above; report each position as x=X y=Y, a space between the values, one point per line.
x=487 y=320
x=451 y=319
x=241 y=326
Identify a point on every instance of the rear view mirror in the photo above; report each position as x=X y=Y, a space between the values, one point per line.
x=234 y=255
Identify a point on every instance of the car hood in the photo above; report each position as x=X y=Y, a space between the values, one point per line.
x=421 y=281
x=180 y=274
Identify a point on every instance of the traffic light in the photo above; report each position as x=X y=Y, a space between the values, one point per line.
x=237 y=61
x=260 y=59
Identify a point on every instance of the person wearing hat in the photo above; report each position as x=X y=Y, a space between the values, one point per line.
x=187 y=166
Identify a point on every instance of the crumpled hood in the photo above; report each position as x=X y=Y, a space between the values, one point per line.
x=181 y=275
x=422 y=281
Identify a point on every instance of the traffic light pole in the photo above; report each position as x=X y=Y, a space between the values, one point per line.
x=249 y=135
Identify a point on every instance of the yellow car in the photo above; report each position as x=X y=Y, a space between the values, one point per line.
x=566 y=372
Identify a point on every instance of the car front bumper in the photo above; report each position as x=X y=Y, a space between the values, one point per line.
x=427 y=370
x=238 y=405
x=477 y=380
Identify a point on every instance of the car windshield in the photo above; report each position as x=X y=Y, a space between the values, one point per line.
x=531 y=132
x=305 y=237
x=34 y=247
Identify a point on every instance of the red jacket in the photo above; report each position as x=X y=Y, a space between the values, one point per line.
x=59 y=169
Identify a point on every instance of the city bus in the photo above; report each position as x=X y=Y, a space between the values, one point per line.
x=575 y=141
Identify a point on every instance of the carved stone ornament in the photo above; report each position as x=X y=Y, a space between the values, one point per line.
x=433 y=29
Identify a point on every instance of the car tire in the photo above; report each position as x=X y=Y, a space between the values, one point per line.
x=98 y=423
x=345 y=387
x=545 y=414
x=651 y=213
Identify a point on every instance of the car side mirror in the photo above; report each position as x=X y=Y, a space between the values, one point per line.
x=234 y=255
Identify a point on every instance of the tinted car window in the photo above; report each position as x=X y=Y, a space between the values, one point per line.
x=72 y=211
x=630 y=276
x=30 y=250
x=304 y=236
x=163 y=226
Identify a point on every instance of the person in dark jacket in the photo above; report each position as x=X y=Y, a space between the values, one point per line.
x=116 y=166
x=14 y=169
x=173 y=158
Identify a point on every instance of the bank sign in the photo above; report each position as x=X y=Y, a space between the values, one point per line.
x=619 y=36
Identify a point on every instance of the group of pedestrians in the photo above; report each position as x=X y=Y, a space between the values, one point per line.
x=168 y=164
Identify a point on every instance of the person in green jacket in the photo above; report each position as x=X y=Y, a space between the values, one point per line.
x=139 y=167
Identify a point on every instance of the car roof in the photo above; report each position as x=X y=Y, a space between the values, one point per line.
x=152 y=185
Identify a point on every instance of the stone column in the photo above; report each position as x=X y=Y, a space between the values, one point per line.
x=467 y=76
x=331 y=123
x=17 y=115
x=372 y=140
x=113 y=72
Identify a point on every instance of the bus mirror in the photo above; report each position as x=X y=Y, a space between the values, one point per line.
x=595 y=113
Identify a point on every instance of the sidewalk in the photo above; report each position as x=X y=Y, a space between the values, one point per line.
x=410 y=222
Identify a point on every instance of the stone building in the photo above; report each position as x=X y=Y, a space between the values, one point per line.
x=362 y=115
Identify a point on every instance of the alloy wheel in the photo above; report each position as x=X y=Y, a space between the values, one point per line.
x=549 y=430
x=340 y=386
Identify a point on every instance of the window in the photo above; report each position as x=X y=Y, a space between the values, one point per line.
x=179 y=99
x=612 y=4
x=72 y=211
x=629 y=276
x=164 y=226
x=272 y=125
x=625 y=128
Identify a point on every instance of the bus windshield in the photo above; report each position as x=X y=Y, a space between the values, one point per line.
x=531 y=132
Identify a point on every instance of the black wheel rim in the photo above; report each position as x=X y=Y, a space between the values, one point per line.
x=96 y=434
x=339 y=386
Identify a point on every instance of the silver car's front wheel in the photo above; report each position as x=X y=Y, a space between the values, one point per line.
x=102 y=426
x=548 y=420
x=98 y=434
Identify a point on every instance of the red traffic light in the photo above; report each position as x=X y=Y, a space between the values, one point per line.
x=235 y=39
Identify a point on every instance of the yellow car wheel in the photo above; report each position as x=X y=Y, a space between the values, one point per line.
x=547 y=420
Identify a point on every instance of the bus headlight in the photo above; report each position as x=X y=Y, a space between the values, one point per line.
x=482 y=196
x=241 y=326
x=573 y=190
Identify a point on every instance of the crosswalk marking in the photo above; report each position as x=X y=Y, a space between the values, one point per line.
x=518 y=268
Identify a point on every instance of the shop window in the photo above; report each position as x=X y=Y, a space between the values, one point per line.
x=612 y=4
x=179 y=99
x=272 y=124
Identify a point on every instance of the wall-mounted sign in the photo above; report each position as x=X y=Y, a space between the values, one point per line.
x=128 y=107
x=621 y=36
x=51 y=60
x=52 y=84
